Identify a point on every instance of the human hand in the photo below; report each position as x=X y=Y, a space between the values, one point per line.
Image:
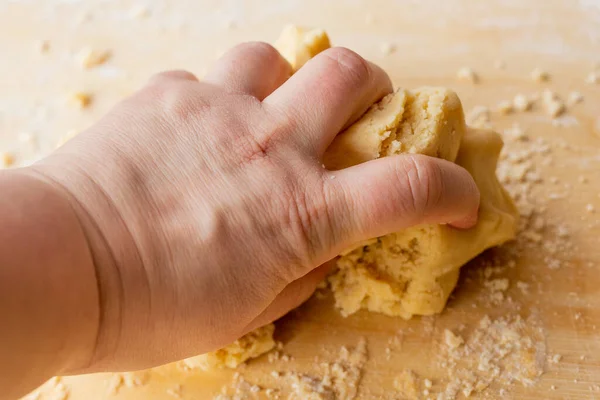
x=207 y=209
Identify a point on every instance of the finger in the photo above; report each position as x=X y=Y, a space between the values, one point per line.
x=393 y=193
x=173 y=75
x=292 y=296
x=329 y=93
x=254 y=68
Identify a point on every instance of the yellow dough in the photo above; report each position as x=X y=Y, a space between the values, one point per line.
x=426 y=121
x=415 y=270
x=298 y=45
x=251 y=345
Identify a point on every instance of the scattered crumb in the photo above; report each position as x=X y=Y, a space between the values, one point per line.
x=555 y=359
x=505 y=107
x=574 y=98
x=114 y=384
x=590 y=208
x=43 y=46
x=523 y=287
x=500 y=351
x=6 y=159
x=82 y=99
x=479 y=117
x=552 y=387
x=140 y=12
x=516 y=133
x=176 y=391
x=593 y=77
x=407 y=383
x=90 y=58
x=540 y=75
x=340 y=379
x=427 y=383
x=554 y=108
x=387 y=48
x=452 y=341
x=467 y=74
x=522 y=103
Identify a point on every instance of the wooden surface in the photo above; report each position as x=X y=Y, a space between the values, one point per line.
x=432 y=41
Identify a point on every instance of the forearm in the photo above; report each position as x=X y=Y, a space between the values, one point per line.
x=48 y=294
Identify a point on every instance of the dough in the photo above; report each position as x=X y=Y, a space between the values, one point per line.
x=251 y=345
x=298 y=45
x=415 y=270
x=426 y=121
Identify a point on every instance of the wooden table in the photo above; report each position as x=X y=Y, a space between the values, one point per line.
x=554 y=284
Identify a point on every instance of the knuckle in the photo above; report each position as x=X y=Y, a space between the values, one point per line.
x=355 y=68
x=424 y=183
x=309 y=222
x=260 y=51
x=172 y=75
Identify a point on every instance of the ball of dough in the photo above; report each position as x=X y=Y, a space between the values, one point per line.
x=415 y=270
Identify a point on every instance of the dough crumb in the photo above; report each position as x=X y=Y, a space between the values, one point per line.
x=140 y=12
x=6 y=159
x=574 y=98
x=554 y=108
x=590 y=208
x=82 y=99
x=467 y=74
x=339 y=379
x=90 y=58
x=479 y=117
x=522 y=102
x=593 y=77
x=553 y=105
x=498 y=352
x=539 y=75
x=407 y=384
x=43 y=46
x=387 y=48
x=298 y=45
x=452 y=341
x=555 y=359
x=114 y=384
x=176 y=391
x=516 y=133
x=505 y=107
x=249 y=346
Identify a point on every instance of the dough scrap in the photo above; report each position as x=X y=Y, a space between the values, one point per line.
x=298 y=45
x=415 y=270
x=251 y=345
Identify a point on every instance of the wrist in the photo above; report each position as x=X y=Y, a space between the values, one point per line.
x=49 y=287
x=116 y=263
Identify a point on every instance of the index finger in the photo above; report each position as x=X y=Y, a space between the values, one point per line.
x=329 y=93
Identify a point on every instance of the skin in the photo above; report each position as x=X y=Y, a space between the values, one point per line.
x=195 y=212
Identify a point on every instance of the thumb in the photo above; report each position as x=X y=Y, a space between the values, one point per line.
x=392 y=193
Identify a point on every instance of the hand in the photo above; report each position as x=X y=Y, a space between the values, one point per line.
x=206 y=207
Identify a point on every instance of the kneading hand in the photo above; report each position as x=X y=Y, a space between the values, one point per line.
x=207 y=211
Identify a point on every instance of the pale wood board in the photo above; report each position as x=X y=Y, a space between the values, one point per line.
x=433 y=40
